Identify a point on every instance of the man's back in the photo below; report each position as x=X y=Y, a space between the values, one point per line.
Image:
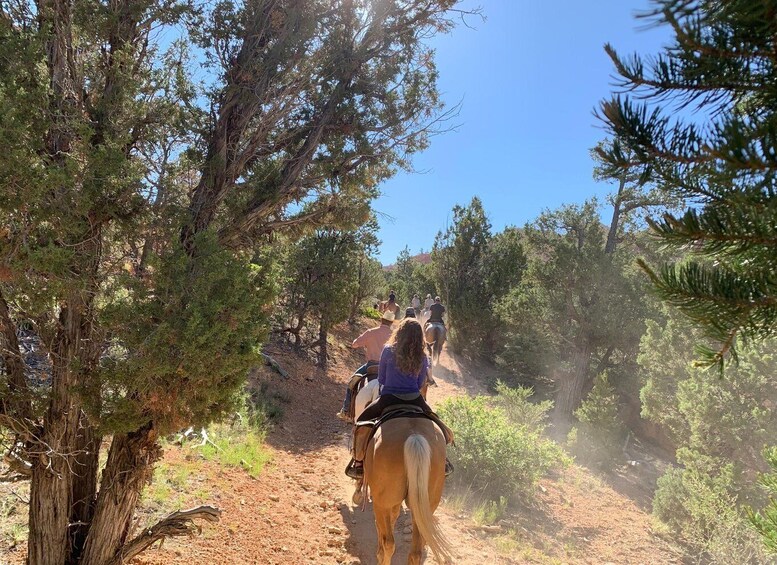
x=437 y=310
x=373 y=341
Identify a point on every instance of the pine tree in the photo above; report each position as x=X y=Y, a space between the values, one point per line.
x=704 y=126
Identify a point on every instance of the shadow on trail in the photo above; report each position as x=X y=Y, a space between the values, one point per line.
x=362 y=542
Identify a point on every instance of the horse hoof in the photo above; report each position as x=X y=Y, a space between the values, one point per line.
x=358 y=497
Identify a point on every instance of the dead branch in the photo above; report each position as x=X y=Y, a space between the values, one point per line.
x=274 y=364
x=179 y=523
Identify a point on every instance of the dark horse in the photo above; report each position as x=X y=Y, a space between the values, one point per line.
x=434 y=336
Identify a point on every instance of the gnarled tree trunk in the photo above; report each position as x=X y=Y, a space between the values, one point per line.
x=128 y=469
x=573 y=385
x=65 y=465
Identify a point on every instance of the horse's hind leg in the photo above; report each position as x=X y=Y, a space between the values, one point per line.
x=416 y=554
x=384 y=522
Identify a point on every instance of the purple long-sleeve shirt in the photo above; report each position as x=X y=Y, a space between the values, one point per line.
x=391 y=381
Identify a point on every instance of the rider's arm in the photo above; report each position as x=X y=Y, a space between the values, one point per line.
x=359 y=341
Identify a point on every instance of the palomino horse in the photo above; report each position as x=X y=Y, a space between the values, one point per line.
x=434 y=336
x=404 y=461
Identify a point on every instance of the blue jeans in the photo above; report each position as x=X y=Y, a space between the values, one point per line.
x=348 y=392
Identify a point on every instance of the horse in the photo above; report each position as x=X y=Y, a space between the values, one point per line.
x=434 y=336
x=404 y=461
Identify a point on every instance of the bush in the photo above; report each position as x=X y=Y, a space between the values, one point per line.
x=703 y=510
x=371 y=313
x=765 y=522
x=492 y=455
x=515 y=402
x=597 y=437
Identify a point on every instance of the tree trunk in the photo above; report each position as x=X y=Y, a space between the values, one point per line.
x=612 y=234
x=572 y=387
x=128 y=469
x=54 y=471
x=357 y=298
x=86 y=461
x=323 y=334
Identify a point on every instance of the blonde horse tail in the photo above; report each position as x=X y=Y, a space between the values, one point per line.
x=418 y=456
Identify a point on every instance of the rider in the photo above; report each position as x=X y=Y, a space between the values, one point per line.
x=428 y=302
x=409 y=312
x=391 y=304
x=416 y=303
x=436 y=312
x=372 y=341
x=404 y=369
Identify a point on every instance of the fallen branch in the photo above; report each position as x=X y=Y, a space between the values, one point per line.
x=274 y=364
x=18 y=465
x=9 y=478
x=179 y=523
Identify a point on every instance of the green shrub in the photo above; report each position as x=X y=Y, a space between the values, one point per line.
x=598 y=435
x=522 y=412
x=490 y=512
x=701 y=507
x=371 y=313
x=765 y=522
x=492 y=455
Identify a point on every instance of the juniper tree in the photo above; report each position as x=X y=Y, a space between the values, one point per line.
x=701 y=117
x=577 y=311
x=138 y=274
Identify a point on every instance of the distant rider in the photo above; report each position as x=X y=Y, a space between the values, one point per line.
x=416 y=303
x=436 y=311
x=372 y=341
x=390 y=305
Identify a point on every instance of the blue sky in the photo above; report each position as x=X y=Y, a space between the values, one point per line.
x=528 y=78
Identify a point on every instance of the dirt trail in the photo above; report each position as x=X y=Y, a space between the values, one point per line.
x=299 y=509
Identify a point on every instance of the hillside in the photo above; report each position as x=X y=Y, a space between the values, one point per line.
x=421 y=258
x=298 y=510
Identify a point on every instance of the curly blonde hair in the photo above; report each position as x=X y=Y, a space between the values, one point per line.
x=407 y=343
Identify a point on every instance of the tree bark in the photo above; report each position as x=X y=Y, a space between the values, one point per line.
x=323 y=334
x=572 y=387
x=54 y=466
x=128 y=469
x=612 y=234
x=86 y=464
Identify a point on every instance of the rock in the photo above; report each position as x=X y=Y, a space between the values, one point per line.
x=323 y=504
x=335 y=530
x=274 y=497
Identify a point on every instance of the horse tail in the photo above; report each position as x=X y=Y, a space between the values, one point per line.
x=418 y=456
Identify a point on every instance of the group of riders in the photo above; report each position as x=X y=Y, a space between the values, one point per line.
x=397 y=358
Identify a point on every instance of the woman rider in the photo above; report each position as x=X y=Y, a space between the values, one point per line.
x=403 y=370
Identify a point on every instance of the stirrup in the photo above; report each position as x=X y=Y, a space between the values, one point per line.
x=353 y=471
x=448 y=467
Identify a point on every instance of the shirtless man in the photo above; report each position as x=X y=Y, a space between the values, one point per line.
x=372 y=341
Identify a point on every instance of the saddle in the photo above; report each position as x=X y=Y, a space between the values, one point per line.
x=357 y=383
x=364 y=431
